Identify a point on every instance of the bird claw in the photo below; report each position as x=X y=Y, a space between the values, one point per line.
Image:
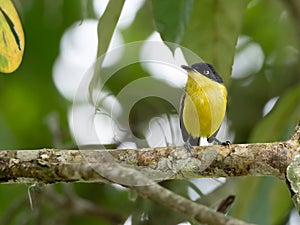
x=226 y=143
x=211 y=139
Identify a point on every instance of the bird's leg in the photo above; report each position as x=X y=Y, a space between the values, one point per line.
x=187 y=144
x=213 y=138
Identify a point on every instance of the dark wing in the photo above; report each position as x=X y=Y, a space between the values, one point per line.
x=184 y=133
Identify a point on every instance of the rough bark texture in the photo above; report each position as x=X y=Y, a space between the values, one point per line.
x=141 y=169
x=53 y=165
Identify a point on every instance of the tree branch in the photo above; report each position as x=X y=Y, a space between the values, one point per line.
x=141 y=169
x=54 y=165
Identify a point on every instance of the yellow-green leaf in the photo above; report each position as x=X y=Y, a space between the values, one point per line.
x=11 y=38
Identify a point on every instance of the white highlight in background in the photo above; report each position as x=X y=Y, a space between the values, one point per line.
x=269 y=105
x=249 y=60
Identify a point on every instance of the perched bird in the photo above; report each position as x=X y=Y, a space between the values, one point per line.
x=203 y=105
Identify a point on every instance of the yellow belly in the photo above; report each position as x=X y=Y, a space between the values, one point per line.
x=204 y=106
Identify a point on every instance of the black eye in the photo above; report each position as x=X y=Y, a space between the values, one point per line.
x=206 y=72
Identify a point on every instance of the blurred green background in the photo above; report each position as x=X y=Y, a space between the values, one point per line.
x=264 y=102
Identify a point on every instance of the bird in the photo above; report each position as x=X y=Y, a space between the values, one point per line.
x=203 y=105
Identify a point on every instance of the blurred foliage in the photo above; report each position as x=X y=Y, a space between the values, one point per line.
x=29 y=100
x=29 y=95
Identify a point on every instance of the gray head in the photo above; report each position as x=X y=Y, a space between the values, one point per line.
x=206 y=70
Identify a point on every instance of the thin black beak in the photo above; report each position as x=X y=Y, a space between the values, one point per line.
x=187 y=68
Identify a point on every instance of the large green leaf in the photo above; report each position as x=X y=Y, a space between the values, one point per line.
x=280 y=123
x=12 y=38
x=171 y=18
x=261 y=200
x=213 y=31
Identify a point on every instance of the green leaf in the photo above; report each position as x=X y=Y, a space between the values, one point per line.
x=106 y=27
x=12 y=38
x=261 y=200
x=213 y=31
x=171 y=18
x=280 y=206
x=281 y=121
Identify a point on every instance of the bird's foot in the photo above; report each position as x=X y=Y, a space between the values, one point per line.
x=226 y=143
x=211 y=139
x=188 y=146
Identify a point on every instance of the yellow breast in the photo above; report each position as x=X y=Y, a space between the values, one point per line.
x=204 y=105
